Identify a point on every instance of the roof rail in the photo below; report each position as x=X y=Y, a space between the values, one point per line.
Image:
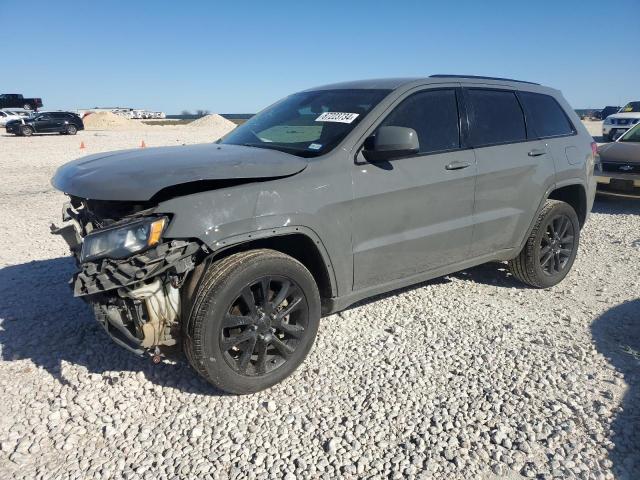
x=443 y=75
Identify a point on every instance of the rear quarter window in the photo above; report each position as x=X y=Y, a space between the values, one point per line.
x=545 y=115
x=495 y=117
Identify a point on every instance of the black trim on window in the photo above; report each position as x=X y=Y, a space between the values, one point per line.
x=465 y=123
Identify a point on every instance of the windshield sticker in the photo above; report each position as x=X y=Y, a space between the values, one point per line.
x=315 y=146
x=340 y=117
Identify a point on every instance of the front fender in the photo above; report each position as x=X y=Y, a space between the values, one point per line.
x=231 y=216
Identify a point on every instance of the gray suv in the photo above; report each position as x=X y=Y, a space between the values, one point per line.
x=234 y=250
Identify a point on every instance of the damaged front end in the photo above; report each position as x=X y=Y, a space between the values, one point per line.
x=128 y=273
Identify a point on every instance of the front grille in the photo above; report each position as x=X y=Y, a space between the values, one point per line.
x=621 y=167
x=623 y=121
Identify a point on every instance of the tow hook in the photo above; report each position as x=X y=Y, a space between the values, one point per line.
x=156 y=357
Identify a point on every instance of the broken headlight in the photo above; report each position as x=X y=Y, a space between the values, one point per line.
x=124 y=240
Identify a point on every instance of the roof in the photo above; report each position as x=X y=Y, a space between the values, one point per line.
x=393 y=83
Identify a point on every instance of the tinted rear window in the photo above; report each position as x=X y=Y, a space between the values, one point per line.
x=545 y=115
x=433 y=115
x=496 y=117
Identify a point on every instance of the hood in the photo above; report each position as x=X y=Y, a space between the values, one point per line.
x=137 y=175
x=625 y=115
x=621 y=152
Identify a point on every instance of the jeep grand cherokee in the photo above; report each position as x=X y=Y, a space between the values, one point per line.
x=331 y=195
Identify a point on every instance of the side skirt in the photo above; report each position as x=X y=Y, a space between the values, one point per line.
x=337 y=304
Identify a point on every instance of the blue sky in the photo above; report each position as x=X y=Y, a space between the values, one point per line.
x=234 y=57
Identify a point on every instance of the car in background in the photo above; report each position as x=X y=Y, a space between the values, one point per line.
x=16 y=100
x=66 y=123
x=18 y=112
x=618 y=172
x=616 y=124
x=6 y=116
x=608 y=110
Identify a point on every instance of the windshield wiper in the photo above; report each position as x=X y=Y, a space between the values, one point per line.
x=294 y=151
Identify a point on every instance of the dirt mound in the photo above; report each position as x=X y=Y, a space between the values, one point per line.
x=109 y=121
x=214 y=122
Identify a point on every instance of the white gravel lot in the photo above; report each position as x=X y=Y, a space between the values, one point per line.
x=469 y=376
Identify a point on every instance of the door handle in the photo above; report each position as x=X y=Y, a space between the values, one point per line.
x=536 y=152
x=457 y=165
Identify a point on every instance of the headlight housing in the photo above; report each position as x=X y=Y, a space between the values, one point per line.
x=124 y=240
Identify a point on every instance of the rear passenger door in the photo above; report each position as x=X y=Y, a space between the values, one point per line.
x=59 y=122
x=514 y=169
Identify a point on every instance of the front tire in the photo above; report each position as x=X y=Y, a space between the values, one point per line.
x=253 y=322
x=26 y=131
x=551 y=247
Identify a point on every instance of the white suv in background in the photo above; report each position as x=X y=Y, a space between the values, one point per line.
x=5 y=116
x=617 y=124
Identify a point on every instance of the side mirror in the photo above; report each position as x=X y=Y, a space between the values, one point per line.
x=391 y=142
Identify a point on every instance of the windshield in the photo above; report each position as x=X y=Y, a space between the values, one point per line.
x=630 y=107
x=633 y=135
x=307 y=124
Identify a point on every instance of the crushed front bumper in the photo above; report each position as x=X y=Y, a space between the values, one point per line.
x=137 y=299
x=107 y=274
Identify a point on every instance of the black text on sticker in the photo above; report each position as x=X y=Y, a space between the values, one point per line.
x=340 y=117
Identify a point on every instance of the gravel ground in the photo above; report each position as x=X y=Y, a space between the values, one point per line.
x=468 y=376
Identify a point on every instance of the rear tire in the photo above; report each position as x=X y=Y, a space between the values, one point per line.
x=550 y=250
x=26 y=131
x=71 y=130
x=253 y=322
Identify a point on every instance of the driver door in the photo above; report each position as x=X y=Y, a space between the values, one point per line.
x=415 y=214
x=44 y=123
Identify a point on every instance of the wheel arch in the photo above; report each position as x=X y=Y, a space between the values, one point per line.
x=572 y=192
x=298 y=242
x=575 y=195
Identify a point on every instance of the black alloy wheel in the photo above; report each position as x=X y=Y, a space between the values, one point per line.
x=557 y=244
x=254 y=320
x=263 y=325
x=551 y=247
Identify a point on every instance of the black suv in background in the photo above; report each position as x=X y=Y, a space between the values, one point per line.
x=66 y=123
